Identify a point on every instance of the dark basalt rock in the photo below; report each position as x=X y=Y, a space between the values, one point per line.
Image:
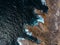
x=13 y=15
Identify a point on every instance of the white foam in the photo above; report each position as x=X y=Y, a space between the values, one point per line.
x=40 y=19
x=26 y=30
x=43 y=2
x=20 y=43
x=29 y=33
x=19 y=40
